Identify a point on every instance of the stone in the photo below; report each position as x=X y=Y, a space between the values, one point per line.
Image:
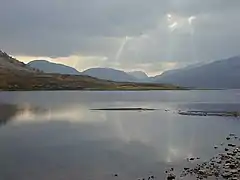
x=171 y=176
x=232 y=145
x=238 y=157
x=219 y=162
x=226 y=174
x=202 y=172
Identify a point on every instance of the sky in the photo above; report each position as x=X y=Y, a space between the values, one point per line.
x=153 y=35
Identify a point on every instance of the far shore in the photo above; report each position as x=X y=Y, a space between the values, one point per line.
x=12 y=81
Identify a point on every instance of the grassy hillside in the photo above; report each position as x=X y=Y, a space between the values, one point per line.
x=40 y=81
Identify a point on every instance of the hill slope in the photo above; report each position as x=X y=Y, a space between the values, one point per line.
x=49 y=67
x=218 y=74
x=8 y=63
x=110 y=74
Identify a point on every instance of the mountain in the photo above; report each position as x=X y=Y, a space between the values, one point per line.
x=173 y=71
x=218 y=74
x=110 y=74
x=139 y=75
x=10 y=64
x=49 y=67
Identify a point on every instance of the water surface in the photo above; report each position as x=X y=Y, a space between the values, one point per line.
x=56 y=135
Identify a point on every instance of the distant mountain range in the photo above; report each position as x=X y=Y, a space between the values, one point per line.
x=110 y=74
x=218 y=74
x=100 y=73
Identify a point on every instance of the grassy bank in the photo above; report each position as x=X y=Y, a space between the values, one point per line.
x=22 y=81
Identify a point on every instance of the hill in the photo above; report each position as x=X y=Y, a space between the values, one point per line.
x=8 y=63
x=110 y=74
x=49 y=67
x=218 y=74
x=139 y=75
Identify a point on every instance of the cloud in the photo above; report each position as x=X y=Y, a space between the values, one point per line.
x=97 y=28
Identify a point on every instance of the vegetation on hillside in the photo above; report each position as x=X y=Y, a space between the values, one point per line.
x=41 y=81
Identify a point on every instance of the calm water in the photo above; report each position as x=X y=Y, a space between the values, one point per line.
x=56 y=135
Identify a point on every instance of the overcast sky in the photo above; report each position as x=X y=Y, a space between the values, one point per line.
x=149 y=35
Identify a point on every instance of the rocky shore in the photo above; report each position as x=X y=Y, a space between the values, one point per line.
x=224 y=165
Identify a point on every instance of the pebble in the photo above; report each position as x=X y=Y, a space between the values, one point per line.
x=226 y=174
x=171 y=176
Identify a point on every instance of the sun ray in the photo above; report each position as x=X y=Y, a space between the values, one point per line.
x=191 y=19
x=173 y=26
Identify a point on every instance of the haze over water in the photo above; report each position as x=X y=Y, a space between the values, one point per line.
x=57 y=135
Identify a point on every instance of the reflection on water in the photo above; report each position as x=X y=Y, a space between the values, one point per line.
x=10 y=112
x=6 y=113
x=51 y=137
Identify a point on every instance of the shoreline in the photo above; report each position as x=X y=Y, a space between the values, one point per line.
x=28 y=90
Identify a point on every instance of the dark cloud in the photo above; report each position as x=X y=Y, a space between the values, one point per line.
x=58 y=28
